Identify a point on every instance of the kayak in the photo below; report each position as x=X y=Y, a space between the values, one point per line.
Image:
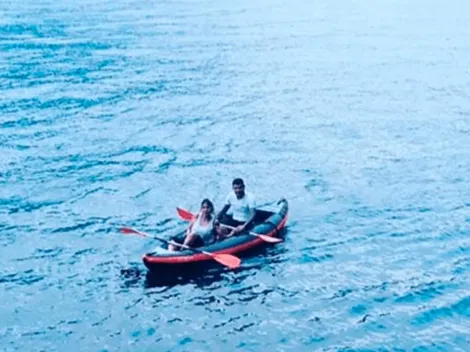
x=269 y=223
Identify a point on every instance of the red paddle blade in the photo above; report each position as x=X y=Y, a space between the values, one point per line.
x=269 y=239
x=129 y=231
x=184 y=214
x=228 y=260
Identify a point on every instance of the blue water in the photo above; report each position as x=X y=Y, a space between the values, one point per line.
x=112 y=113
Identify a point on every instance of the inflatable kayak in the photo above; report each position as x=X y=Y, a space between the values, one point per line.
x=268 y=223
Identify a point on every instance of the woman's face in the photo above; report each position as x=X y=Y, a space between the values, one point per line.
x=206 y=209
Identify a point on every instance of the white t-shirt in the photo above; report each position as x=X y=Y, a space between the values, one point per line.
x=241 y=209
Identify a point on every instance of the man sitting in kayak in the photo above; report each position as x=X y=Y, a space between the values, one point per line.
x=238 y=211
x=201 y=231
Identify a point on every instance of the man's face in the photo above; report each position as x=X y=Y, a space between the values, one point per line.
x=239 y=190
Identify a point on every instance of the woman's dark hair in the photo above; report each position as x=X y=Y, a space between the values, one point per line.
x=209 y=204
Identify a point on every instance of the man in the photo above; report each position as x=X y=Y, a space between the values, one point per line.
x=239 y=208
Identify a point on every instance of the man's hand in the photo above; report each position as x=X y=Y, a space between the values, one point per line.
x=236 y=230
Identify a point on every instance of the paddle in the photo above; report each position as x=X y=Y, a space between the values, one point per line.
x=226 y=259
x=186 y=215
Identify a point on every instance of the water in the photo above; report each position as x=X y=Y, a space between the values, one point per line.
x=112 y=113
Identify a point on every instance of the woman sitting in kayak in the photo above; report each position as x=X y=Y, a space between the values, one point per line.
x=202 y=230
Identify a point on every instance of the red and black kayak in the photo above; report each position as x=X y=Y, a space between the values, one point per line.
x=269 y=223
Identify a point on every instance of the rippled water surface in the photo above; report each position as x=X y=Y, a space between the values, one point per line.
x=113 y=113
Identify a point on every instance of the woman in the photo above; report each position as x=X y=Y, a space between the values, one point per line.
x=201 y=231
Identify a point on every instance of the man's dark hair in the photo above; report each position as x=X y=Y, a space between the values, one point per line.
x=238 y=182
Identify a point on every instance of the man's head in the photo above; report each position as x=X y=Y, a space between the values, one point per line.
x=238 y=187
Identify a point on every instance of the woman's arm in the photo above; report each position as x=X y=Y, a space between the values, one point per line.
x=191 y=224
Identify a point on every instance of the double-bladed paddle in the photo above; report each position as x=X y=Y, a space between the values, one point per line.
x=229 y=260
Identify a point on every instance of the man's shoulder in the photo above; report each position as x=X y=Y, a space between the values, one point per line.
x=249 y=195
x=230 y=196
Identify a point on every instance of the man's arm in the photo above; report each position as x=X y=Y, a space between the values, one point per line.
x=245 y=225
x=222 y=212
x=252 y=206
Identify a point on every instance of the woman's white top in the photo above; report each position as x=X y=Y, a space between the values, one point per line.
x=204 y=231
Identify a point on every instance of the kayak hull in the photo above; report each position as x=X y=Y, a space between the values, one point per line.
x=266 y=223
